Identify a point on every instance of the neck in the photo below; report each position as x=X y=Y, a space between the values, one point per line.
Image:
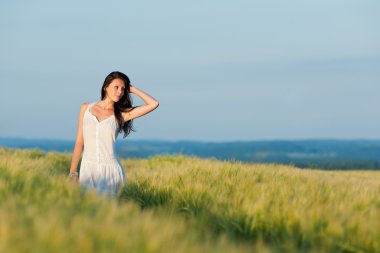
x=107 y=104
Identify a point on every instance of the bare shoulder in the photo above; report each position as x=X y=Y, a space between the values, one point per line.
x=84 y=106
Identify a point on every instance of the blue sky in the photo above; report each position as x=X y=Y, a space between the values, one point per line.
x=221 y=70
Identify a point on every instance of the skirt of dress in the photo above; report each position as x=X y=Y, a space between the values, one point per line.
x=105 y=177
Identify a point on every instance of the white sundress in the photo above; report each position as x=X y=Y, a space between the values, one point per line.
x=100 y=169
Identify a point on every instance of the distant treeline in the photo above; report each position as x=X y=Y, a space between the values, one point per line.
x=321 y=154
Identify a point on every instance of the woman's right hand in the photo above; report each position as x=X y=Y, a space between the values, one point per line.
x=74 y=179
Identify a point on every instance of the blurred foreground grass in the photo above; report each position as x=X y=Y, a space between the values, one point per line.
x=187 y=204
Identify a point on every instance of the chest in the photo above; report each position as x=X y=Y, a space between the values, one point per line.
x=100 y=115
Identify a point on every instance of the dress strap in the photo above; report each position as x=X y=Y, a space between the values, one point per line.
x=90 y=105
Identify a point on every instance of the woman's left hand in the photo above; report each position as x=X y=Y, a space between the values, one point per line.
x=131 y=88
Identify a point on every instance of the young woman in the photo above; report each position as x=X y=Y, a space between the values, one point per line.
x=98 y=127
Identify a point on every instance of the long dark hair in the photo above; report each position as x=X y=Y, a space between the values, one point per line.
x=124 y=103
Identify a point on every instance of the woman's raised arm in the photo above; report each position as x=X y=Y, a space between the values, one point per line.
x=138 y=111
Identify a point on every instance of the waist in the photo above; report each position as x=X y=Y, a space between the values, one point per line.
x=99 y=158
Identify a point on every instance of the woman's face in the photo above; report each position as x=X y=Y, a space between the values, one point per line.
x=115 y=89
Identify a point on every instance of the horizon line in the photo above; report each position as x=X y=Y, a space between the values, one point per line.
x=204 y=141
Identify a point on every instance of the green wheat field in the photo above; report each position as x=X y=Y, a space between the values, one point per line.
x=186 y=204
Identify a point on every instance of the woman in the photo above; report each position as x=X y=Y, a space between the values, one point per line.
x=98 y=127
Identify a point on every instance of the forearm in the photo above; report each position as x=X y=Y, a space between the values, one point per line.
x=78 y=149
x=149 y=100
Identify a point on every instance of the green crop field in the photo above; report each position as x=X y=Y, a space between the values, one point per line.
x=186 y=204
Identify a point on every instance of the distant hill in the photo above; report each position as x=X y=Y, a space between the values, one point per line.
x=325 y=154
